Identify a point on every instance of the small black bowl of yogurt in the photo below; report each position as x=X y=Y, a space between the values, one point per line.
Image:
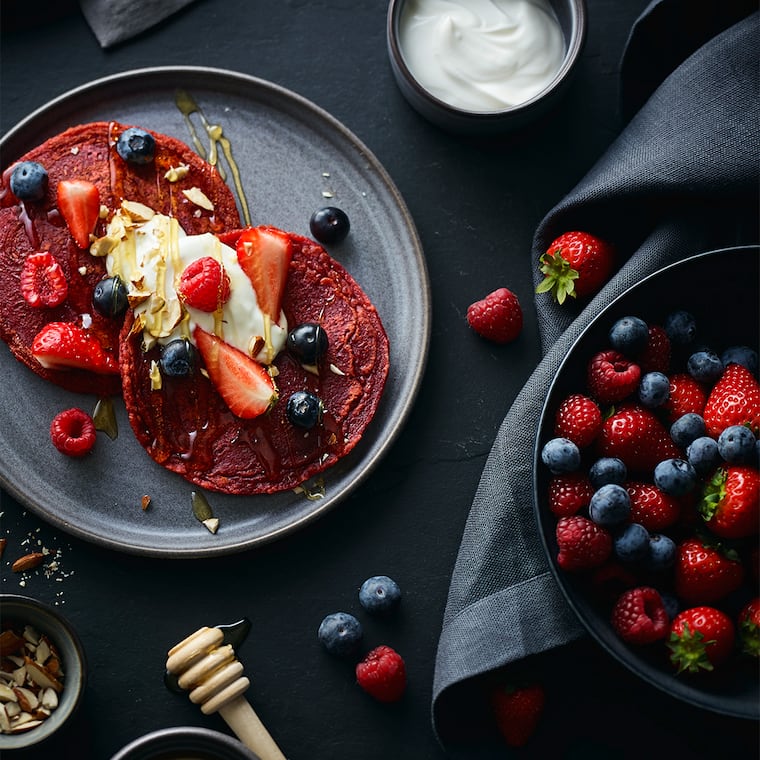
x=484 y=67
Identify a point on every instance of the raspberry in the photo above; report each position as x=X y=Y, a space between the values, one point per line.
x=582 y=543
x=204 y=284
x=42 y=281
x=579 y=419
x=497 y=317
x=611 y=377
x=639 y=616
x=73 y=432
x=382 y=674
x=569 y=493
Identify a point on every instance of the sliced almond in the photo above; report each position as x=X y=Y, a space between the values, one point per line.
x=7 y=694
x=49 y=699
x=42 y=676
x=19 y=675
x=42 y=652
x=25 y=725
x=27 y=699
x=5 y=721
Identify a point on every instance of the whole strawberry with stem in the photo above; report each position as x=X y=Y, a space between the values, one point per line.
x=517 y=710
x=733 y=400
x=730 y=503
x=700 y=638
x=635 y=435
x=749 y=627
x=706 y=572
x=576 y=264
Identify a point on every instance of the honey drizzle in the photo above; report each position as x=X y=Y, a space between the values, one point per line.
x=187 y=106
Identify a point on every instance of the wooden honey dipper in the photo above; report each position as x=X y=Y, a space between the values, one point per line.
x=213 y=676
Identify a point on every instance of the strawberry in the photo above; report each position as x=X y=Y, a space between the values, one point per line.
x=204 y=284
x=382 y=674
x=656 y=355
x=64 y=345
x=612 y=377
x=730 y=502
x=635 y=435
x=244 y=384
x=579 y=419
x=569 y=493
x=264 y=254
x=639 y=616
x=517 y=711
x=749 y=627
x=700 y=638
x=686 y=396
x=497 y=317
x=42 y=281
x=576 y=264
x=79 y=204
x=652 y=508
x=582 y=543
x=705 y=573
x=733 y=400
x=72 y=432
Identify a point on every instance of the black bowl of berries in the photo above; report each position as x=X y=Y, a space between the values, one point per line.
x=647 y=480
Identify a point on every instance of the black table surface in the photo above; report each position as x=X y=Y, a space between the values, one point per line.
x=475 y=206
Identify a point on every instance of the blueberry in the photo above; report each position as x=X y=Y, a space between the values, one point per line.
x=329 y=225
x=308 y=342
x=304 y=409
x=610 y=505
x=340 y=633
x=178 y=358
x=703 y=455
x=654 y=389
x=379 y=594
x=110 y=297
x=687 y=428
x=136 y=146
x=561 y=455
x=743 y=355
x=29 y=181
x=632 y=543
x=662 y=552
x=705 y=366
x=607 y=470
x=675 y=477
x=680 y=327
x=629 y=335
x=736 y=444
x=672 y=605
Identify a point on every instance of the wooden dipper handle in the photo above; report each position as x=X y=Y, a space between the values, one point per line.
x=213 y=675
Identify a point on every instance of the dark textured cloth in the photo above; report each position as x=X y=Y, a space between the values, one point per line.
x=681 y=178
x=114 y=21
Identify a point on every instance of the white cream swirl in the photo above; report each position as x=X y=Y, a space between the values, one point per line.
x=481 y=55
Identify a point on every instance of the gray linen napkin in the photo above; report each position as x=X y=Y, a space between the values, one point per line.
x=680 y=179
x=114 y=21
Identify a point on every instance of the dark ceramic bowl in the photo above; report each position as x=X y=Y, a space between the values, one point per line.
x=185 y=743
x=22 y=610
x=727 y=314
x=572 y=18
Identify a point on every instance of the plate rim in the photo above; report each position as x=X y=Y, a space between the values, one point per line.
x=413 y=379
x=686 y=692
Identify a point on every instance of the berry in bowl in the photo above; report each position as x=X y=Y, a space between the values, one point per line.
x=647 y=480
x=484 y=67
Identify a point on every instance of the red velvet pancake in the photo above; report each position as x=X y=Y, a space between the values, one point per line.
x=88 y=152
x=187 y=427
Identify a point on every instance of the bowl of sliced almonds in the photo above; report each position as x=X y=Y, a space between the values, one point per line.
x=42 y=672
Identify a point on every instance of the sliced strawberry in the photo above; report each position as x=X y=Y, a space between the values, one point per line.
x=264 y=254
x=79 y=204
x=64 y=345
x=243 y=383
x=42 y=281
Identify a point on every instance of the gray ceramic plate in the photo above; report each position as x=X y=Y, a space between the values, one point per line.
x=293 y=158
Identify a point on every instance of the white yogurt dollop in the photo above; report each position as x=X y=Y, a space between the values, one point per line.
x=481 y=55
